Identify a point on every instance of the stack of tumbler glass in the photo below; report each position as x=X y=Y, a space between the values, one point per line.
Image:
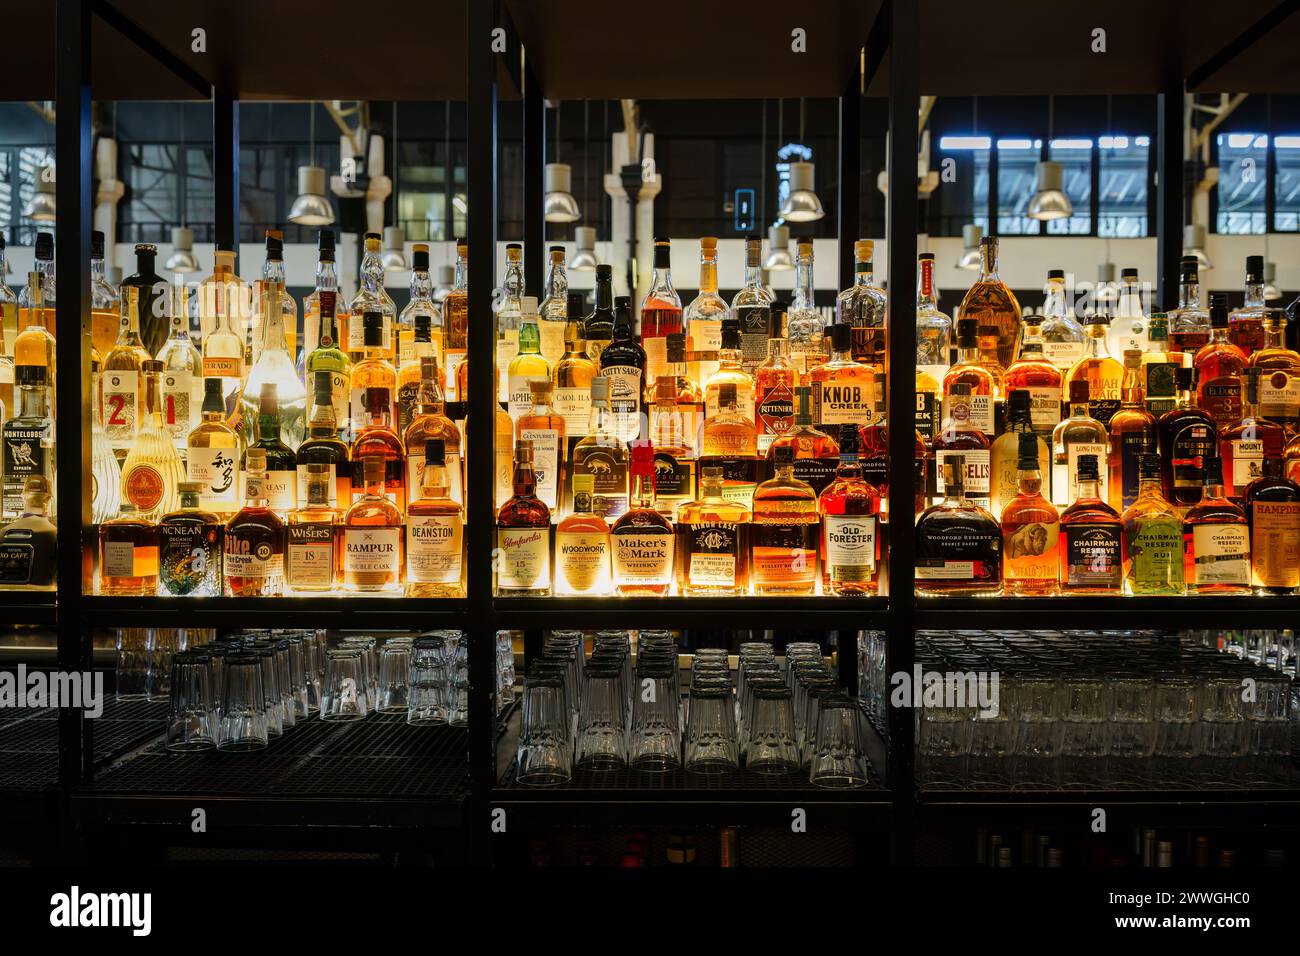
x=243 y=690
x=608 y=712
x=505 y=670
x=1269 y=648
x=144 y=657
x=1047 y=710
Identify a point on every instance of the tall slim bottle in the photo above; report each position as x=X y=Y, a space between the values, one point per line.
x=553 y=311
x=991 y=302
x=752 y=308
x=274 y=366
x=661 y=316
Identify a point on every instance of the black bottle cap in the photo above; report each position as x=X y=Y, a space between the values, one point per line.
x=420 y=260
x=1056 y=273
x=1254 y=269
x=848 y=439
x=96 y=245
x=841 y=337
x=1027 y=451
x=776 y=320
x=782 y=454
x=1189 y=268
x=1183 y=378
x=676 y=347
x=435 y=452
x=214 y=401
x=45 y=246
x=730 y=334
x=1219 y=310
x=967 y=333
x=31 y=375
x=376 y=400
x=575 y=305
x=1148 y=465
x=1128 y=272
x=622 y=303
x=1088 y=468
x=604 y=272
x=321 y=384
x=325 y=245
x=1213 y=466
x=377 y=237
x=373 y=327
x=1018 y=403
x=959 y=390
x=274 y=248
x=423 y=327
x=663 y=253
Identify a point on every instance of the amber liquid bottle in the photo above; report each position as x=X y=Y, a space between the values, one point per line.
x=1030 y=528
x=1132 y=434
x=1219 y=365
x=642 y=537
x=990 y=302
x=850 y=517
x=1216 y=540
x=1091 y=546
x=1187 y=437
x=374 y=549
x=1273 y=510
x=254 y=542
x=312 y=563
x=784 y=536
x=522 y=564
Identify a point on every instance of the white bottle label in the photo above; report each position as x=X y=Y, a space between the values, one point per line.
x=520 y=398
x=452 y=360
x=261 y=563
x=119 y=559
x=850 y=546
x=433 y=549
x=524 y=558
x=846 y=403
x=1279 y=394
x=656 y=358
x=309 y=555
x=705 y=336
x=1221 y=554
x=1247 y=462
x=1044 y=407
x=643 y=556
x=507 y=349
x=625 y=400
x=551 y=334
x=281 y=490
x=179 y=409
x=121 y=406
x=979 y=416
x=218 y=470
x=1073 y=452
x=546 y=461
x=977 y=473
x=581 y=562
x=574 y=406
x=1063 y=354
x=372 y=550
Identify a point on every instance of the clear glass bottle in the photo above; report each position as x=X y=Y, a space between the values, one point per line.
x=509 y=316
x=182 y=380
x=313 y=329
x=751 y=308
x=372 y=296
x=1128 y=327
x=702 y=322
x=1080 y=434
x=1189 y=324
x=455 y=323
x=105 y=470
x=661 y=315
x=419 y=313
x=862 y=307
x=1064 y=340
x=105 y=302
x=34 y=344
x=933 y=331
x=1246 y=325
x=122 y=384
x=152 y=472
x=554 y=311
x=273 y=272
x=989 y=301
x=274 y=366
x=36 y=303
x=224 y=305
x=805 y=322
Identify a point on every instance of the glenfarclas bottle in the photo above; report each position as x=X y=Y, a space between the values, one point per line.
x=522 y=564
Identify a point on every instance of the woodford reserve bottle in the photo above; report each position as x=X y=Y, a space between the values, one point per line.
x=958 y=543
x=642 y=537
x=990 y=302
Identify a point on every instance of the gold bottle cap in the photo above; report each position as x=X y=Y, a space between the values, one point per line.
x=709 y=243
x=255 y=459
x=420 y=247
x=524 y=452
x=187 y=487
x=863 y=249
x=1132 y=358
x=805 y=247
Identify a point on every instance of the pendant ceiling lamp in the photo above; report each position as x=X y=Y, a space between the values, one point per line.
x=40 y=208
x=1271 y=292
x=311 y=208
x=1049 y=200
x=971 y=235
x=1194 y=245
x=802 y=204
x=394 y=255
x=584 y=257
x=559 y=204
x=778 y=250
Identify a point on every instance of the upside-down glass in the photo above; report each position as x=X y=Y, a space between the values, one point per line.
x=394 y=674
x=602 y=728
x=346 y=695
x=772 y=747
x=243 y=710
x=711 y=745
x=427 y=698
x=656 y=734
x=190 y=724
x=838 y=760
x=544 y=753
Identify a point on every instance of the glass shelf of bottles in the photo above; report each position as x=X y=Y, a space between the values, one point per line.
x=713 y=450
x=1132 y=452
x=238 y=461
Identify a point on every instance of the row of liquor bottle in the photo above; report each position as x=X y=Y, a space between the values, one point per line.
x=371 y=547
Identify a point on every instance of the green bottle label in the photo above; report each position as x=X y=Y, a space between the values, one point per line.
x=1157 y=555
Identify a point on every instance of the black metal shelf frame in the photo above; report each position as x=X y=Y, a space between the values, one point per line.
x=894 y=38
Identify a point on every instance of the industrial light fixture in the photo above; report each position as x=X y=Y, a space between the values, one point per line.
x=971 y=235
x=559 y=205
x=1049 y=200
x=1271 y=292
x=802 y=205
x=1194 y=245
x=394 y=256
x=40 y=207
x=182 y=261
x=584 y=257
x=778 y=250
x=311 y=208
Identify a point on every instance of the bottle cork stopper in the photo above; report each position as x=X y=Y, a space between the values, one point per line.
x=863 y=249
x=709 y=243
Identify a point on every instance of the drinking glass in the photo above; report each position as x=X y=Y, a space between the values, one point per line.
x=656 y=734
x=243 y=709
x=838 y=760
x=543 y=756
x=394 y=674
x=345 y=696
x=772 y=747
x=711 y=745
x=190 y=725
x=602 y=729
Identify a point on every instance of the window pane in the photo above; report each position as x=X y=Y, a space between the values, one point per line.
x=1076 y=156
x=1016 y=161
x=966 y=198
x=1122 y=203
x=1243 y=165
x=1286 y=190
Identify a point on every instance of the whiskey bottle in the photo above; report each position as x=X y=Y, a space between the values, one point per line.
x=845 y=389
x=622 y=362
x=455 y=321
x=377 y=439
x=280 y=483
x=373 y=543
x=1187 y=437
x=509 y=316
x=373 y=371
x=751 y=308
x=1216 y=540
x=122 y=381
x=522 y=562
x=503 y=445
x=155 y=298
x=602 y=454
x=1080 y=434
x=312 y=562
x=1004 y=455
x=431 y=422
x=34 y=344
x=642 y=538
x=1104 y=375
x=105 y=304
x=598 y=327
x=189 y=547
x=573 y=374
x=805 y=323
x=1132 y=433
x=254 y=542
x=969 y=371
x=1219 y=365
x=1064 y=340
x=28 y=437
x=434 y=532
x=1030 y=526
x=774 y=383
x=1158 y=368
x=324 y=446
x=728 y=434
x=372 y=296
x=411 y=375
x=544 y=429
x=271 y=295
x=224 y=311
x=702 y=323
x=712 y=542
x=1091 y=538
x=325 y=325
x=1153 y=537
x=152 y=469
x=554 y=312
x=933 y=332
x=1246 y=325
x=661 y=315
x=1279 y=380
x=128 y=555
x=1042 y=379
x=987 y=339
x=989 y=301
x=419 y=311
x=527 y=366
x=28 y=544
x=961 y=439
x=1273 y=511
x=784 y=535
x=862 y=308
x=182 y=378
x=816 y=454
x=1189 y=324
x=690 y=397
x=730 y=372
x=850 y=542
x=673 y=450
x=1247 y=443
x=582 y=565
x=212 y=456
x=958 y=543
